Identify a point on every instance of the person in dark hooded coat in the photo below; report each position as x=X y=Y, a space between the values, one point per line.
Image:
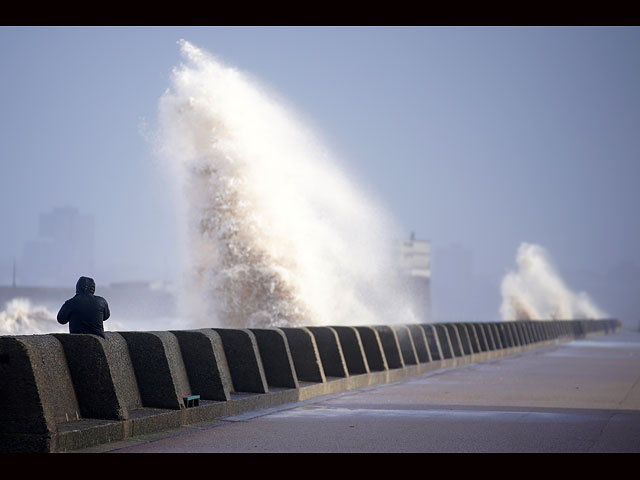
x=85 y=312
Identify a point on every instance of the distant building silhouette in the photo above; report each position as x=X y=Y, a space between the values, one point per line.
x=63 y=250
x=416 y=267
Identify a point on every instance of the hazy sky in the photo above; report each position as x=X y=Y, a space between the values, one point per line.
x=480 y=137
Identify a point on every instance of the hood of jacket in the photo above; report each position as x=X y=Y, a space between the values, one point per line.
x=85 y=285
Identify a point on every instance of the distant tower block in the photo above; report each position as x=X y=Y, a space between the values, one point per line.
x=63 y=250
x=416 y=267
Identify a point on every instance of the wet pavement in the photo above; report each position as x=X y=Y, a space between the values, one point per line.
x=580 y=396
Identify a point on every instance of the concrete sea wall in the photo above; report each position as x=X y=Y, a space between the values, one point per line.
x=64 y=392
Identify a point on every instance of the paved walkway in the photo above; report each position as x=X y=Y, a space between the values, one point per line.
x=581 y=396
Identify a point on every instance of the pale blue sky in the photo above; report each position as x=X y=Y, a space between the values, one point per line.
x=481 y=137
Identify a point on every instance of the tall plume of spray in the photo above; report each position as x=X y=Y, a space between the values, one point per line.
x=537 y=292
x=275 y=233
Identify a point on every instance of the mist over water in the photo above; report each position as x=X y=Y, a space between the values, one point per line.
x=275 y=232
x=537 y=292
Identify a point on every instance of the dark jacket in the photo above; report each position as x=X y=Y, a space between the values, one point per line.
x=85 y=312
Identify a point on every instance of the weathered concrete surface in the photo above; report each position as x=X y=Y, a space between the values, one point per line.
x=36 y=392
x=352 y=349
x=206 y=364
x=390 y=346
x=102 y=375
x=372 y=347
x=276 y=357
x=580 y=396
x=330 y=351
x=405 y=342
x=420 y=343
x=433 y=344
x=305 y=355
x=160 y=371
x=243 y=357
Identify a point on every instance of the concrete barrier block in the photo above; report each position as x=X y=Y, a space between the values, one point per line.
x=492 y=336
x=305 y=355
x=495 y=335
x=472 y=337
x=498 y=336
x=372 y=347
x=36 y=390
x=206 y=363
x=390 y=346
x=433 y=342
x=159 y=368
x=524 y=340
x=547 y=330
x=512 y=334
x=503 y=338
x=243 y=358
x=531 y=331
x=561 y=329
x=578 y=329
x=420 y=344
x=544 y=331
x=483 y=340
x=330 y=350
x=485 y=335
x=352 y=349
x=407 y=348
x=541 y=331
x=536 y=332
x=465 y=339
x=444 y=339
x=276 y=357
x=102 y=375
x=525 y=326
x=480 y=333
x=553 y=330
x=456 y=342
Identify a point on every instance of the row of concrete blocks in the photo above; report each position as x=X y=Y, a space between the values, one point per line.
x=64 y=392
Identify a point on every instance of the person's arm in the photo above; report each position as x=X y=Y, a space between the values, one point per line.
x=63 y=314
x=107 y=313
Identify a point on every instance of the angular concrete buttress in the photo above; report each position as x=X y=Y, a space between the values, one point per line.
x=352 y=350
x=407 y=348
x=102 y=375
x=206 y=363
x=160 y=371
x=330 y=351
x=305 y=355
x=243 y=358
x=36 y=392
x=454 y=337
x=372 y=347
x=465 y=339
x=390 y=346
x=276 y=357
x=435 y=350
x=420 y=343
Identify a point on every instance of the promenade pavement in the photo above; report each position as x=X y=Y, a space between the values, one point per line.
x=580 y=396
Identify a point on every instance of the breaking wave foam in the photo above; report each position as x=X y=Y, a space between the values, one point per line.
x=274 y=231
x=20 y=317
x=537 y=292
